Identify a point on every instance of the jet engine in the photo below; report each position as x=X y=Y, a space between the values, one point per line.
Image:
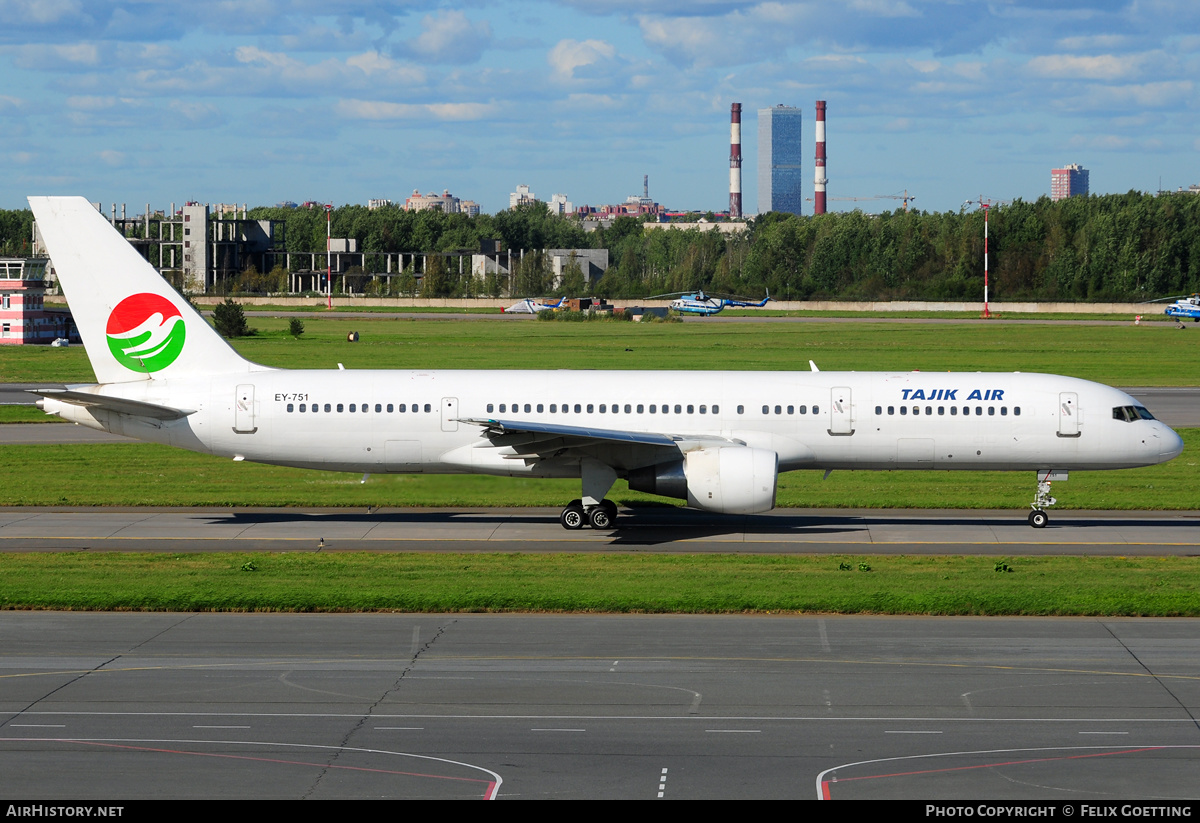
x=726 y=479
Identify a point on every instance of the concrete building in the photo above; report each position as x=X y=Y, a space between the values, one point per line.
x=521 y=196
x=593 y=263
x=1068 y=181
x=378 y=203
x=23 y=315
x=780 y=164
x=445 y=202
x=559 y=204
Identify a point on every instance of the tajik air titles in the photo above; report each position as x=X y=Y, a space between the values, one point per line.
x=951 y=394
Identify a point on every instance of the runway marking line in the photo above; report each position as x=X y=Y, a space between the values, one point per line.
x=492 y=785
x=469 y=659
x=823 y=783
x=1001 y=763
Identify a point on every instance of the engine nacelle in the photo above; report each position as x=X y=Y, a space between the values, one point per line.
x=726 y=479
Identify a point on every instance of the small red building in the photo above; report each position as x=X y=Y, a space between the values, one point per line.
x=23 y=316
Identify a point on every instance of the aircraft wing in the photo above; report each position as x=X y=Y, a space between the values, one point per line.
x=555 y=439
x=121 y=405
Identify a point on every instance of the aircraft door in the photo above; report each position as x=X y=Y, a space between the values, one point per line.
x=243 y=410
x=1068 y=414
x=449 y=414
x=840 y=421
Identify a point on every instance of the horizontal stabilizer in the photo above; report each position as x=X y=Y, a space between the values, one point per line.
x=119 y=405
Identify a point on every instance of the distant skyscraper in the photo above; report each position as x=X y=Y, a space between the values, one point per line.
x=780 y=165
x=1068 y=182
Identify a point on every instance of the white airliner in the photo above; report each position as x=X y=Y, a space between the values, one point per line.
x=717 y=440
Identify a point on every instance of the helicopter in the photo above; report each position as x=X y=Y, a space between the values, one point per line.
x=707 y=305
x=531 y=306
x=1184 y=308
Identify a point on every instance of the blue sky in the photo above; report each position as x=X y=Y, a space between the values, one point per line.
x=260 y=101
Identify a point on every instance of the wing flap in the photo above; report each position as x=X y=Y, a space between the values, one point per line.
x=525 y=437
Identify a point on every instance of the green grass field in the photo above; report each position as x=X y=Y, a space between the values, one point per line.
x=1148 y=355
x=685 y=584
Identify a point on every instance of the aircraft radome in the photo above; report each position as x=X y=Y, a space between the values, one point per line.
x=717 y=440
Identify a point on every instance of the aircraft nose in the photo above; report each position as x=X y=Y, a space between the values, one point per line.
x=1171 y=444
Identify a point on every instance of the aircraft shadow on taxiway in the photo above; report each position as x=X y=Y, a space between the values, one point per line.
x=647 y=525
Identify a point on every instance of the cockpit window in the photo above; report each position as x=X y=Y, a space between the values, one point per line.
x=1131 y=413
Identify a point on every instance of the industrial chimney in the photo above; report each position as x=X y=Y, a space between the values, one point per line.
x=819 y=179
x=735 y=161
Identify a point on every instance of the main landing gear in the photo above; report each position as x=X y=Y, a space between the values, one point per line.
x=575 y=515
x=592 y=510
x=1037 y=517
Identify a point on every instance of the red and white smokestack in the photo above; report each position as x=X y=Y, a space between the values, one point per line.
x=819 y=180
x=735 y=161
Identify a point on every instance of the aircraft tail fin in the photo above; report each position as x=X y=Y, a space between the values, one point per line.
x=134 y=325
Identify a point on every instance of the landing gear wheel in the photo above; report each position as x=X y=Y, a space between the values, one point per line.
x=1038 y=518
x=572 y=517
x=601 y=517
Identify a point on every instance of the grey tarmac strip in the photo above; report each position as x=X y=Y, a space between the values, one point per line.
x=642 y=529
x=127 y=706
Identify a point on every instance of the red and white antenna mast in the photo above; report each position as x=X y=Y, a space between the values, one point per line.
x=819 y=179
x=735 y=161
x=328 y=257
x=986 y=205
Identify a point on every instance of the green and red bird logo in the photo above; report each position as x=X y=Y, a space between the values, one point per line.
x=145 y=332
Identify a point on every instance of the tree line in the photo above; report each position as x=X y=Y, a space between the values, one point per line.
x=1130 y=246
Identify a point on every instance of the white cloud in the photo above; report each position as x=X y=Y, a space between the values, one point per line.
x=450 y=37
x=1150 y=95
x=112 y=157
x=253 y=54
x=91 y=102
x=1099 y=67
x=569 y=55
x=196 y=113
x=382 y=110
x=41 y=11
x=884 y=8
x=85 y=53
x=371 y=62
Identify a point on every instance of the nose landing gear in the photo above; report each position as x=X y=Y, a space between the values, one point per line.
x=1038 y=518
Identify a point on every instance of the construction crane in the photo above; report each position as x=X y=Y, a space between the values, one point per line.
x=906 y=197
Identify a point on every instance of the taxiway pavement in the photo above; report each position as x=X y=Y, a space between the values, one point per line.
x=643 y=529
x=126 y=706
